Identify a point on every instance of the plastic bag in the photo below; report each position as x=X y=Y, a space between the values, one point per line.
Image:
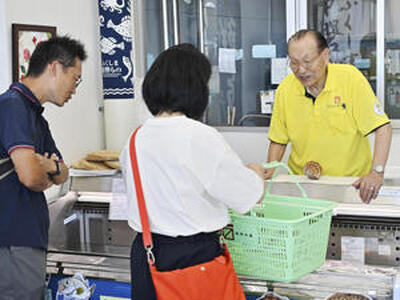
x=74 y=288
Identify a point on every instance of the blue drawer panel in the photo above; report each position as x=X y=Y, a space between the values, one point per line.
x=107 y=288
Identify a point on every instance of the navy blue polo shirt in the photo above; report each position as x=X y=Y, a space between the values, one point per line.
x=24 y=216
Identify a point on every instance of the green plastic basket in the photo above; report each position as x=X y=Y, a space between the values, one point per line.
x=281 y=239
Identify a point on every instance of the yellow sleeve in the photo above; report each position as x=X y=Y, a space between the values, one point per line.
x=367 y=109
x=278 y=129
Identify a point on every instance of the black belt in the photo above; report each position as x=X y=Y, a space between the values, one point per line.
x=6 y=167
x=202 y=236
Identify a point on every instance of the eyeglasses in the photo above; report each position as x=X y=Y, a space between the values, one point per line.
x=307 y=64
x=65 y=68
x=78 y=82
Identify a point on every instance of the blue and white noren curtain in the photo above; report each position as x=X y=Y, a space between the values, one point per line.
x=116 y=47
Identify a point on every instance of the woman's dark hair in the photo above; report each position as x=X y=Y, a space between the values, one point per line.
x=319 y=38
x=61 y=48
x=178 y=82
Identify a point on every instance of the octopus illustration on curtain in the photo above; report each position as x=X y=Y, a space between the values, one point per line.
x=116 y=47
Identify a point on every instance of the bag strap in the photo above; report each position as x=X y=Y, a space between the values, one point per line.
x=6 y=167
x=144 y=219
x=147 y=240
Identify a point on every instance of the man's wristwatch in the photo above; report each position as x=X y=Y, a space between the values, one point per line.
x=378 y=169
x=58 y=169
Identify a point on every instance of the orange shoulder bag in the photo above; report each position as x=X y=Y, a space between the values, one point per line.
x=213 y=280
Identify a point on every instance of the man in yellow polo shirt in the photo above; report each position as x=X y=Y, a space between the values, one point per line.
x=326 y=111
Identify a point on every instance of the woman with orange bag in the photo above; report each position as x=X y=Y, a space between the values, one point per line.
x=189 y=176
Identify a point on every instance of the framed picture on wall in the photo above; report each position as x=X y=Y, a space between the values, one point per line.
x=25 y=38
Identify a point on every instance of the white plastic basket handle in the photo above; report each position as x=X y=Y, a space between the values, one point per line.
x=276 y=164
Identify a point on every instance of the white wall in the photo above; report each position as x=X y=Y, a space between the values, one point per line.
x=78 y=126
x=122 y=116
x=251 y=146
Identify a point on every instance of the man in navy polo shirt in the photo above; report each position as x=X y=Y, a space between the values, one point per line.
x=30 y=163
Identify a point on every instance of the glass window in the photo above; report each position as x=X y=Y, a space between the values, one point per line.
x=153 y=43
x=242 y=39
x=350 y=29
x=392 y=59
x=242 y=94
x=188 y=22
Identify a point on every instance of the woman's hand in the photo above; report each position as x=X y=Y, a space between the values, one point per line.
x=259 y=169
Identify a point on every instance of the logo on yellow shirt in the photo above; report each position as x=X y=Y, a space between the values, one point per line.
x=378 y=108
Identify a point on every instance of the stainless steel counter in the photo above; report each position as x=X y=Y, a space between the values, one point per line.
x=115 y=268
x=83 y=239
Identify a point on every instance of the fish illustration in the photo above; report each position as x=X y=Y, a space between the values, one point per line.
x=76 y=287
x=112 y=5
x=128 y=64
x=101 y=21
x=124 y=28
x=108 y=45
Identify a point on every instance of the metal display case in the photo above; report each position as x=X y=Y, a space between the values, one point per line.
x=81 y=225
x=83 y=239
x=381 y=236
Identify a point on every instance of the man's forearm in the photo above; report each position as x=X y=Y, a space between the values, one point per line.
x=383 y=139
x=370 y=184
x=275 y=151
x=63 y=175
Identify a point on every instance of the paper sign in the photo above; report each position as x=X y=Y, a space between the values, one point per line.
x=267 y=99
x=263 y=51
x=226 y=60
x=384 y=250
x=353 y=249
x=119 y=202
x=371 y=245
x=214 y=80
x=362 y=63
x=279 y=70
x=239 y=54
